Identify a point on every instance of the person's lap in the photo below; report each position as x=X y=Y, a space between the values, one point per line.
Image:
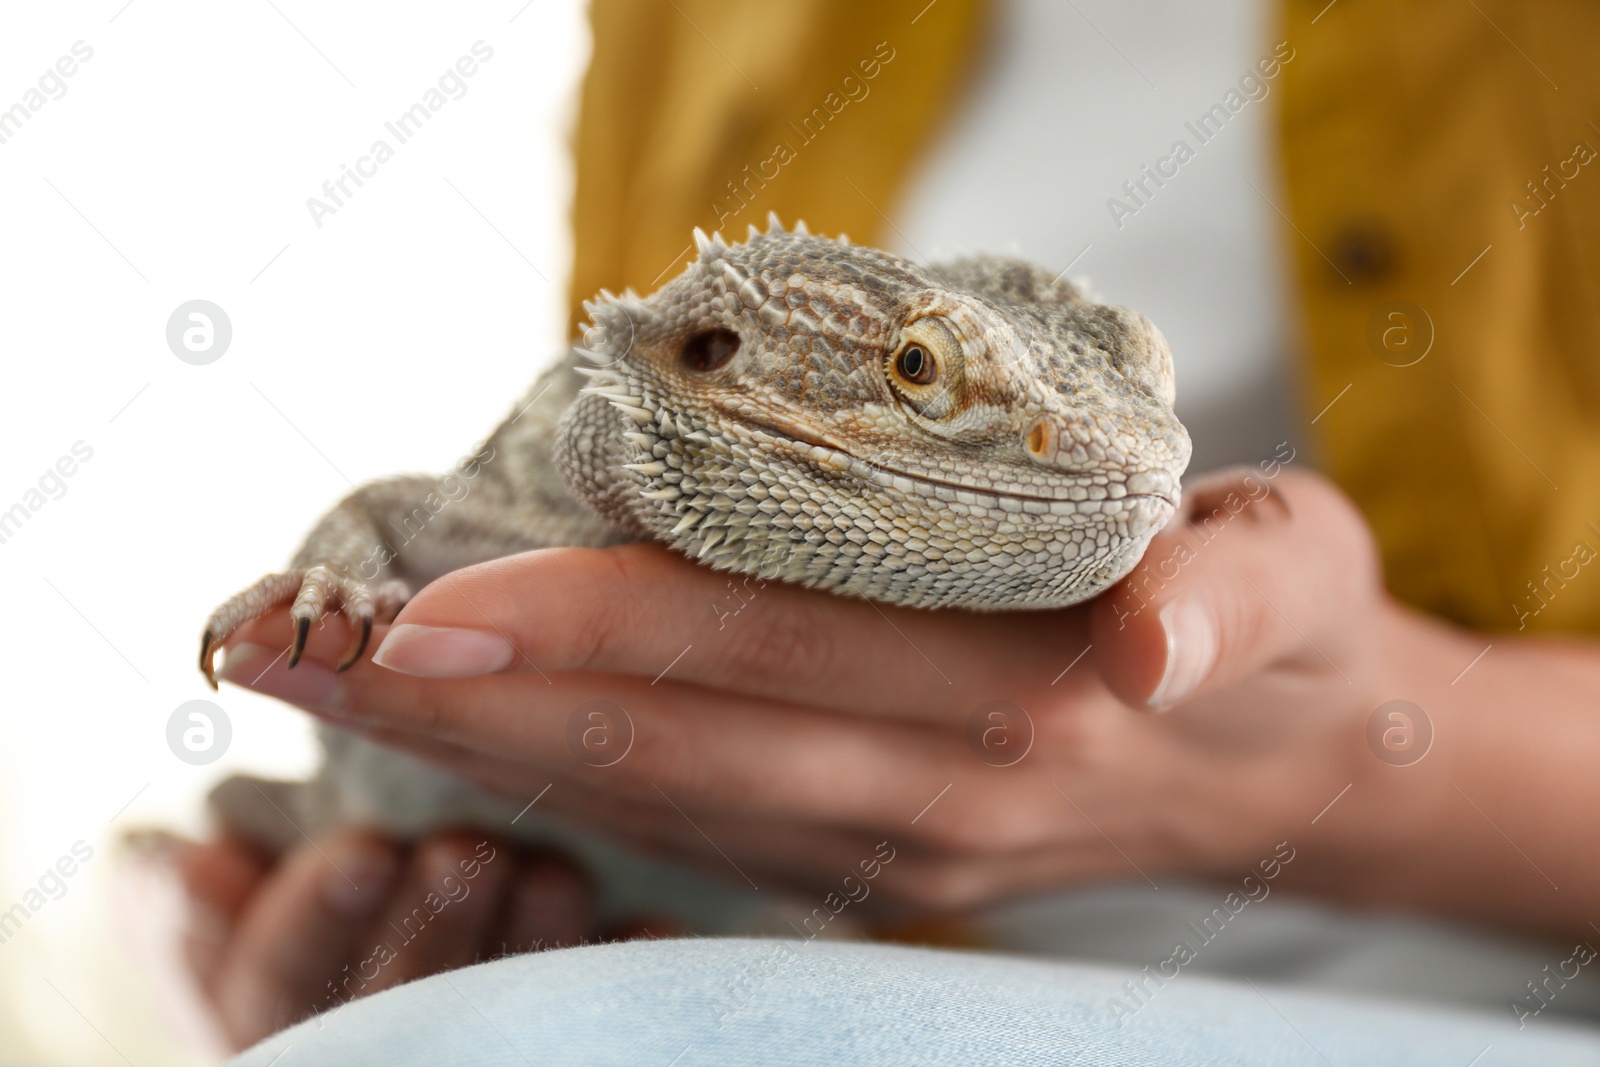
x=716 y=1001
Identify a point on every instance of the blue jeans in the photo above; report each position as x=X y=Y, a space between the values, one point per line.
x=692 y=1003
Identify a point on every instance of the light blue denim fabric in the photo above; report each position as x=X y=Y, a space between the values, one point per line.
x=694 y=1003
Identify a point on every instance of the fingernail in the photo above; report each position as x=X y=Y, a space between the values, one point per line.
x=1190 y=623
x=360 y=879
x=437 y=652
x=308 y=685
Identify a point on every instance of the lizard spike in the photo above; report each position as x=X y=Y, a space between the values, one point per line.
x=713 y=539
x=599 y=376
x=844 y=238
x=752 y=233
x=633 y=305
x=688 y=522
x=800 y=227
x=590 y=354
x=639 y=415
x=671 y=492
x=654 y=468
x=616 y=393
x=775 y=225
x=718 y=240
x=702 y=243
x=643 y=440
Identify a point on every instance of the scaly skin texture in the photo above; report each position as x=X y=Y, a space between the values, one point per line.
x=974 y=435
x=1029 y=471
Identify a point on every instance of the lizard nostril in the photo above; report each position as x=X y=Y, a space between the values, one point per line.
x=1041 y=440
x=709 y=350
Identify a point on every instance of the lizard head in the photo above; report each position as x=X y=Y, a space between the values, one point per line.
x=974 y=434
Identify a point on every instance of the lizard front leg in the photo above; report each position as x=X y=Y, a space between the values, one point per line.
x=348 y=561
x=392 y=536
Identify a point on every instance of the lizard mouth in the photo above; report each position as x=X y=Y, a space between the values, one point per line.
x=825 y=451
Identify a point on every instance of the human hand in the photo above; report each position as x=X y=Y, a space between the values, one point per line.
x=268 y=943
x=789 y=739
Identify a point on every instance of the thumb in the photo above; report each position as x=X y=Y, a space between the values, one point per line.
x=1263 y=569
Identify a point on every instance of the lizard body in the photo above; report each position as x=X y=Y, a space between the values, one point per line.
x=974 y=435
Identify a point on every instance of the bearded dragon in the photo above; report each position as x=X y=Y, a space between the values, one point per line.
x=974 y=434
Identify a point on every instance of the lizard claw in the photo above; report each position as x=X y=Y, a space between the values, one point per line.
x=302 y=627
x=313 y=591
x=207 y=667
x=357 y=646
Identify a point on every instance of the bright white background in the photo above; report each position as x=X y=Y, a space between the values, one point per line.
x=176 y=167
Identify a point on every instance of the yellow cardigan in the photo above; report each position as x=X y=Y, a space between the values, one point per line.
x=1443 y=205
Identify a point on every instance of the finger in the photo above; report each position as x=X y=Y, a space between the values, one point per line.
x=999 y=813
x=219 y=878
x=441 y=915
x=702 y=749
x=219 y=875
x=254 y=661
x=298 y=930
x=657 y=824
x=956 y=848
x=550 y=905
x=1260 y=573
x=639 y=610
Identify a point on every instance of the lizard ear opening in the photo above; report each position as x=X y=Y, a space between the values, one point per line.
x=709 y=350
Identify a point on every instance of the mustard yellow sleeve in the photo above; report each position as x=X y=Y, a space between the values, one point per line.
x=712 y=113
x=1444 y=184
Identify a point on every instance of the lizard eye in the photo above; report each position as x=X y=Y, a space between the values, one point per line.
x=710 y=350
x=915 y=364
x=927 y=369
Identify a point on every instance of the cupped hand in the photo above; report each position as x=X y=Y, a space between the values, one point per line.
x=269 y=943
x=1185 y=723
